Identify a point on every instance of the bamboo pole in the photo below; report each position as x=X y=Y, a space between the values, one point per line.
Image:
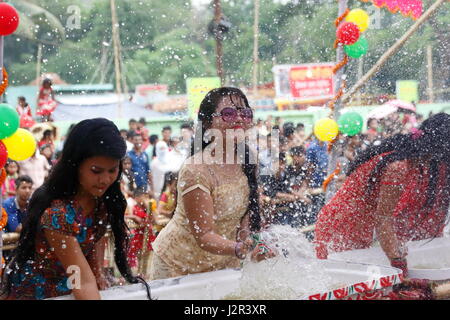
x=218 y=36
x=255 y=48
x=39 y=62
x=116 y=44
x=392 y=50
x=430 y=73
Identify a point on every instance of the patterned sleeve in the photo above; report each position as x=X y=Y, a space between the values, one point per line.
x=192 y=177
x=395 y=174
x=60 y=218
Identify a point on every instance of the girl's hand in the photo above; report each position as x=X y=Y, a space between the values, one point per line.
x=102 y=282
x=242 y=248
x=262 y=252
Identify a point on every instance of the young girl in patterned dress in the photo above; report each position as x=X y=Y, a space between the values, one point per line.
x=61 y=247
x=46 y=103
x=399 y=189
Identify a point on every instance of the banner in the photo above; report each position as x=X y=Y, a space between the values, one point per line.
x=407 y=90
x=196 y=89
x=312 y=81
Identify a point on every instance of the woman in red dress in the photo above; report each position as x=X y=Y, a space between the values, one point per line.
x=46 y=101
x=400 y=189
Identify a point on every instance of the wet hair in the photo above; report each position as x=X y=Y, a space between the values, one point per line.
x=431 y=142
x=142 y=121
x=47 y=81
x=208 y=106
x=89 y=138
x=132 y=121
x=21 y=98
x=166 y=128
x=23 y=178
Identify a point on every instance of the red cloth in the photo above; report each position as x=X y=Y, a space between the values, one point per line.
x=137 y=239
x=347 y=222
x=26 y=118
x=46 y=104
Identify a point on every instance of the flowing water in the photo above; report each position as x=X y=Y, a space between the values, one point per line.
x=293 y=274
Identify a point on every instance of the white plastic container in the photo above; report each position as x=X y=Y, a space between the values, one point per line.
x=359 y=281
x=427 y=259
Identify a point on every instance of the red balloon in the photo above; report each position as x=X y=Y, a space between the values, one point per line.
x=9 y=19
x=3 y=154
x=347 y=33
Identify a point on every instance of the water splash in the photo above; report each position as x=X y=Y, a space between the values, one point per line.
x=294 y=274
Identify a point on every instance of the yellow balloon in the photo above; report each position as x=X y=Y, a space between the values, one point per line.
x=21 y=145
x=326 y=129
x=360 y=18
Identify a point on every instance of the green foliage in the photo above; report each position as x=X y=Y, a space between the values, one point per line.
x=167 y=41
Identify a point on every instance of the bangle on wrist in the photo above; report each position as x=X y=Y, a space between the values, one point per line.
x=237 y=254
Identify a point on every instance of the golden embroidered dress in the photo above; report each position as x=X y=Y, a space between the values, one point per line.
x=176 y=249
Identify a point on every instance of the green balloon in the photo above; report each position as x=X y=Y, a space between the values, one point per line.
x=350 y=123
x=9 y=120
x=358 y=49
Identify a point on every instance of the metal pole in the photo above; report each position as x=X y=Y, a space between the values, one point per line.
x=338 y=79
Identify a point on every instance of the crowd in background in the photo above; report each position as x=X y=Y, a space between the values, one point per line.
x=293 y=167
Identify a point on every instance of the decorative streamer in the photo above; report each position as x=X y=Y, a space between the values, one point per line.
x=408 y=8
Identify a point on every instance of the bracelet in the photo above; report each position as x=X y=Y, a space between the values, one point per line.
x=241 y=257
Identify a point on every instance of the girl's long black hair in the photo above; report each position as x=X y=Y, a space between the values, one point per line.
x=431 y=142
x=89 y=138
x=208 y=106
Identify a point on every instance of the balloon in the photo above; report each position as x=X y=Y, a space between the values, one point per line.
x=326 y=129
x=358 y=49
x=347 y=33
x=9 y=120
x=360 y=18
x=350 y=123
x=9 y=19
x=21 y=145
x=3 y=154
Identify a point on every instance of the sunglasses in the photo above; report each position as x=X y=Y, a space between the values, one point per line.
x=231 y=114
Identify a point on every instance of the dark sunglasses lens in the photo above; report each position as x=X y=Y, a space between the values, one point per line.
x=247 y=114
x=229 y=114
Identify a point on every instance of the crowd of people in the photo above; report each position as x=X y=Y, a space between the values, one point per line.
x=179 y=216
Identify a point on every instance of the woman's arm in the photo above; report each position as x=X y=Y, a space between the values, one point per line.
x=200 y=211
x=384 y=221
x=95 y=260
x=70 y=255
